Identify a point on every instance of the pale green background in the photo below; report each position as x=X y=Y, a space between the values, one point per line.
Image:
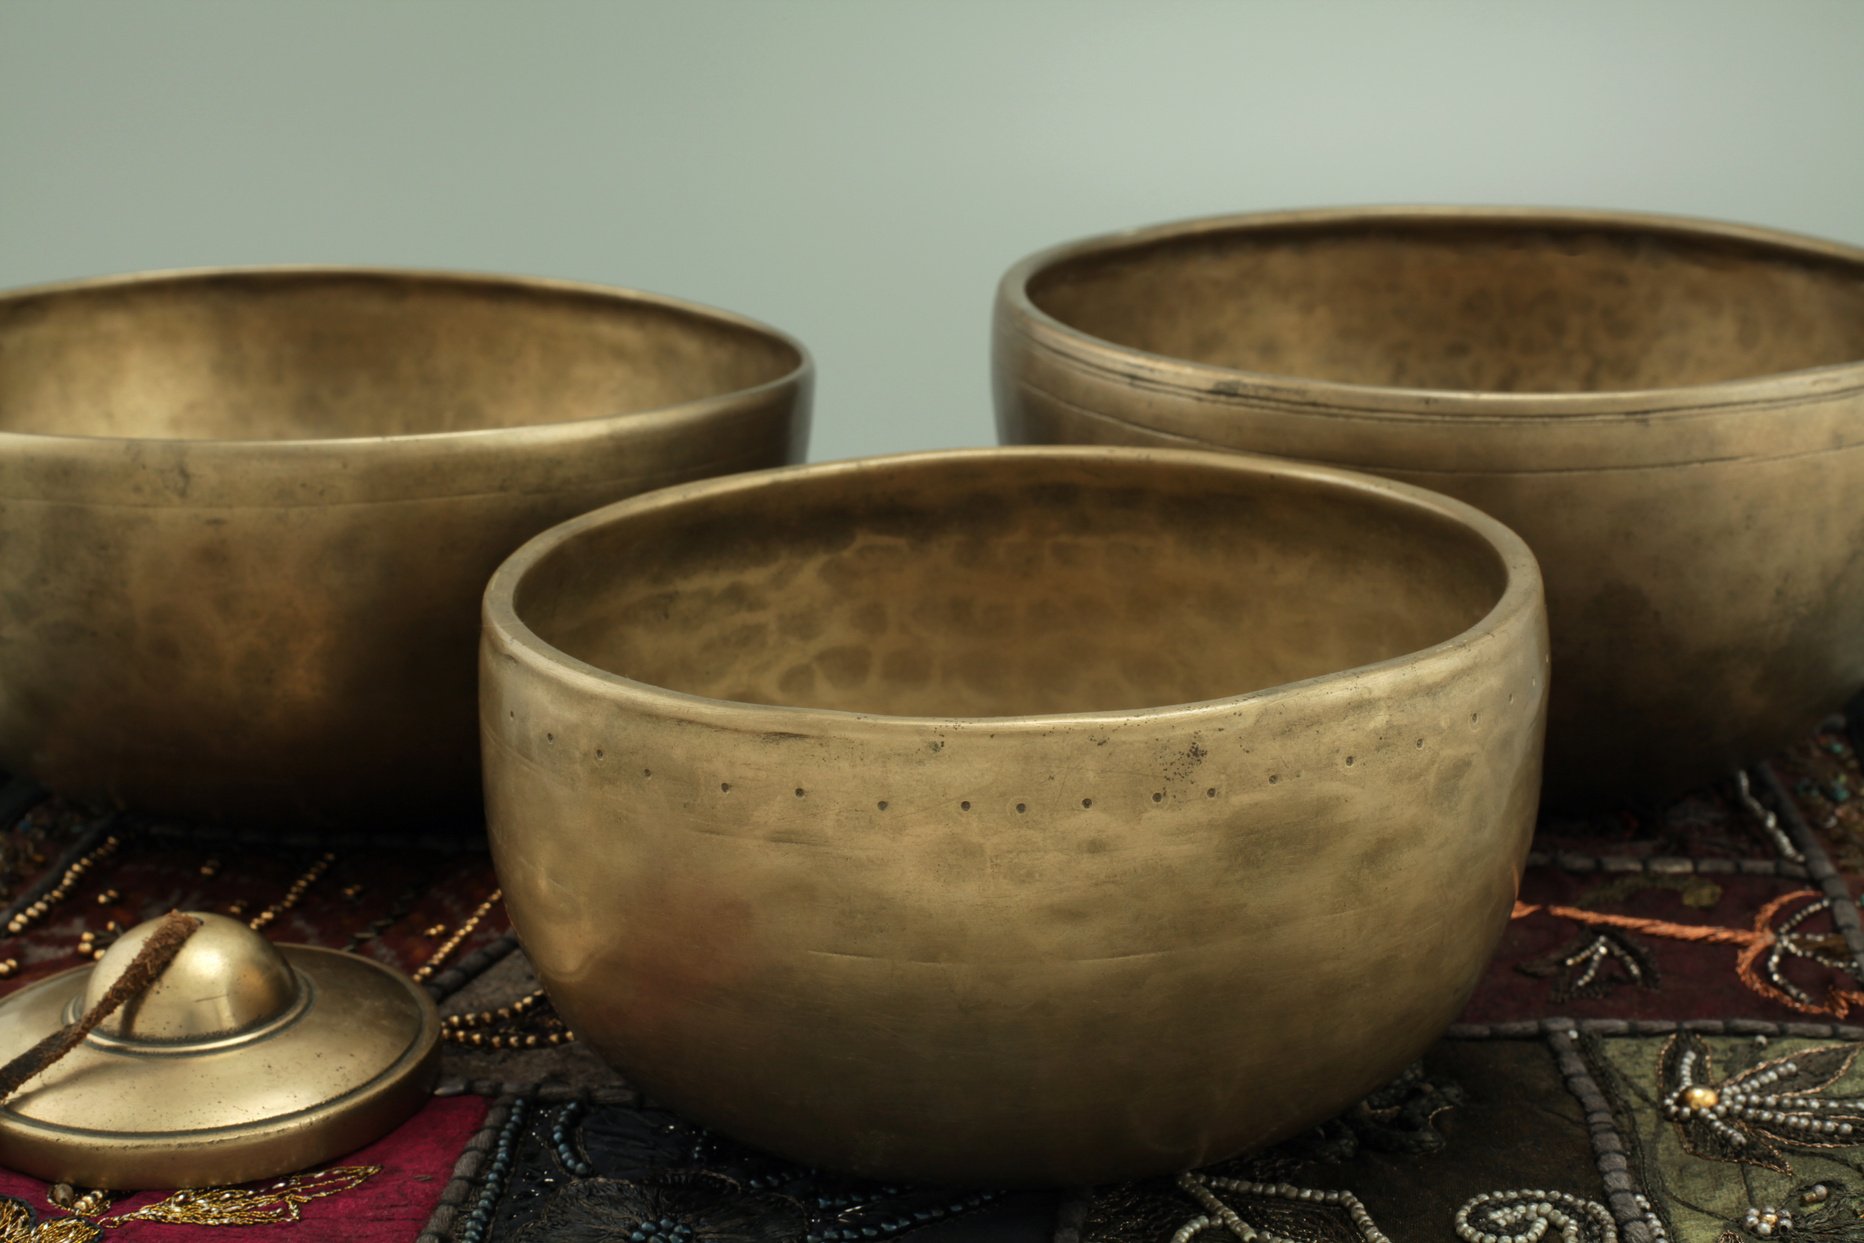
x=860 y=172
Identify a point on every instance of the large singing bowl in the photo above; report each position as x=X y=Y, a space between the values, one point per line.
x=1014 y=816
x=1670 y=412
x=246 y=517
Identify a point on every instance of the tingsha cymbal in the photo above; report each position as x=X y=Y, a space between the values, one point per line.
x=244 y=1060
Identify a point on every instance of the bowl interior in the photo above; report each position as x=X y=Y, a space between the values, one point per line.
x=1498 y=306
x=1008 y=584
x=302 y=355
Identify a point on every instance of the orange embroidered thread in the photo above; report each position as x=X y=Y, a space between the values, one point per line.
x=1654 y=927
x=1756 y=944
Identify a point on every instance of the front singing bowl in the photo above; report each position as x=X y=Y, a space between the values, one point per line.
x=246 y=517
x=1670 y=412
x=1014 y=816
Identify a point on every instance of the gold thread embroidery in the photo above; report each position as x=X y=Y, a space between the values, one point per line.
x=280 y=1203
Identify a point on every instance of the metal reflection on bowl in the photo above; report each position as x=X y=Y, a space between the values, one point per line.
x=246 y=516
x=1671 y=412
x=1014 y=816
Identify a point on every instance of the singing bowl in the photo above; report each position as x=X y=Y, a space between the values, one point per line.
x=246 y=517
x=1015 y=816
x=1670 y=412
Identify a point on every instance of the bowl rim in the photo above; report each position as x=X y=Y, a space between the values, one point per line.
x=1519 y=602
x=801 y=375
x=1313 y=395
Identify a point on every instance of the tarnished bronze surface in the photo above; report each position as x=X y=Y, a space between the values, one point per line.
x=246 y=517
x=1014 y=815
x=243 y=1061
x=1671 y=412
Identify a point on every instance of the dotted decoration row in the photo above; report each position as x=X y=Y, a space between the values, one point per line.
x=724 y=787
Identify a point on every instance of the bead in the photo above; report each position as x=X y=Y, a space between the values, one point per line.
x=427 y=969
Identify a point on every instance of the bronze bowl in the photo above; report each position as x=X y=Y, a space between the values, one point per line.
x=1670 y=412
x=1014 y=816
x=247 y=516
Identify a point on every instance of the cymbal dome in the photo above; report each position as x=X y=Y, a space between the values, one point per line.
x=225 y=979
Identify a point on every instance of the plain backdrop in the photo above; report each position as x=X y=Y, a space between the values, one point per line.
x=860 y=172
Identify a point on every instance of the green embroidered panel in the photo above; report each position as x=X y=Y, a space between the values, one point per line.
x=1737 y=1139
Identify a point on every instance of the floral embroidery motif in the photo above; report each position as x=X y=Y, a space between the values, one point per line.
x=1220 y=1216
x=1399 y=1117
x=1592 y=965
x=643 y=1176
x=1750 y=1117
x=1528 y=1216
x=1265 y=1190
x=1777 y=939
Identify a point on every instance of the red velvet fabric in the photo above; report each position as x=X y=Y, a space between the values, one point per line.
x=417 y=1161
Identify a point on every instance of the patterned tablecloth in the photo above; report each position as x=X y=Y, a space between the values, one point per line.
x=1663 y=1049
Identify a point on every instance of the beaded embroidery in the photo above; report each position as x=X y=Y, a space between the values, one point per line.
x=1219 y=1215
x=1777 y=938
x=1822 y=1212
x=1528 y=1216
x=1749 y=1117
